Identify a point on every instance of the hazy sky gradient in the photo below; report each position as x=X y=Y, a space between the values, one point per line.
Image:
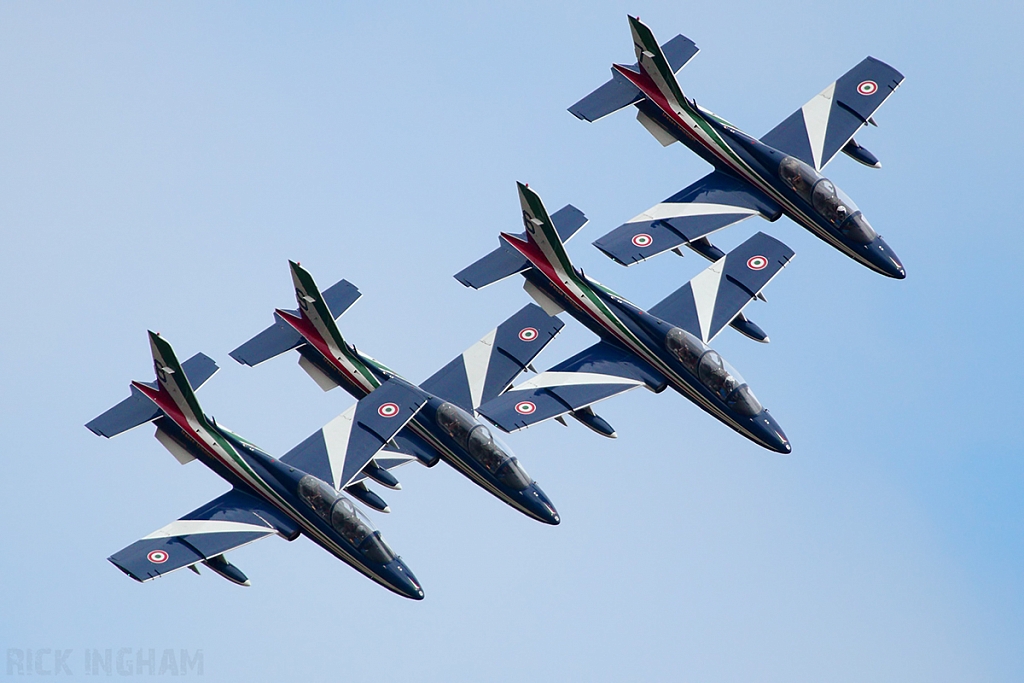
x=160 y=162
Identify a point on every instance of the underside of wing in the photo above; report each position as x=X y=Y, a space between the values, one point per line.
x=594 y=374
x=488 y=367
x=225 y=523
x=715 y=201
x=816 y=132
x=346 y=445
x=710 y=301
x=551 y=394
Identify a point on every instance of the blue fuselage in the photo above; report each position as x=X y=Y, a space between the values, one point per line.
x=762 y=172
x=278 y=484
x=429 y=442
x=651 y=331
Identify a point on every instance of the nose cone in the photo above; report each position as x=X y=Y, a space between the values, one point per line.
x=539 y=506
x=884 y=259
x=402 y=581
x=770 y=433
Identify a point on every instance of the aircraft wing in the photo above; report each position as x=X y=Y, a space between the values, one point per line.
x=339 y=452
x=715 y=201
x=225 y=523
x=597 y=373
x=816 y=132
x=709 y=302
x=551 y=394
x=488 y=367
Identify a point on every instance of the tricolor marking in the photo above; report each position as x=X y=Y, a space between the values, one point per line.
x=528 y=334
x=757 y=263
x=867 y=88
x=388 y=410
x=157 y=556
x=642 y=240
x=526 y=408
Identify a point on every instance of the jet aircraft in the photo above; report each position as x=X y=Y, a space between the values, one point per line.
x=446 y=428
x=665 y=346
x=268 y=496
x=778 y=174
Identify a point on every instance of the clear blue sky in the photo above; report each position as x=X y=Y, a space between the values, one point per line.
x=159 y=163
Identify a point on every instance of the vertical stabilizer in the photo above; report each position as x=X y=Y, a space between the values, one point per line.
x=315 y=309
x=545 y=247
x=173 y=383
x=652 y=62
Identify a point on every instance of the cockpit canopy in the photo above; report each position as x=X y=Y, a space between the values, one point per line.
x=712 y=371
x=481 y=445
x=827 y=200
x=341 y=514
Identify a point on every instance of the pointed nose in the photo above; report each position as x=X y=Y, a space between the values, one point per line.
x=771 y=433
x=403 y=581
x=540 y=506
x=885 y=260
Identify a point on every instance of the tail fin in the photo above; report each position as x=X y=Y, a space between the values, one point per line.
x=653 y=63
x=619 y=92
x=313 y=306
x=172 y=381
x=543 y=247
x=281 y=336
x=505 y=261
x=138 y=409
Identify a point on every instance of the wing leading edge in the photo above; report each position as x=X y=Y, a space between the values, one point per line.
x=225 y=523
x=714 y=202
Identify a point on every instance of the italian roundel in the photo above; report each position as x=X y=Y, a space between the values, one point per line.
x=387 y=410
x=642 y=240
x=757 y=263
x=528 y=334
x=525 y=407
x=867 y=88
x=157 y=556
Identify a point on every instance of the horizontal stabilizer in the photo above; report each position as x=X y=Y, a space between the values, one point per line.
x=715 y=201
x=619 y=92
x=340 y=296
x=138 y=409
x=338 y=452
x=227 y=522
x=551 y=394
x=135 y=410
x=505 y=261
x=488 y=367
x=711 y=300
x=271 y=342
